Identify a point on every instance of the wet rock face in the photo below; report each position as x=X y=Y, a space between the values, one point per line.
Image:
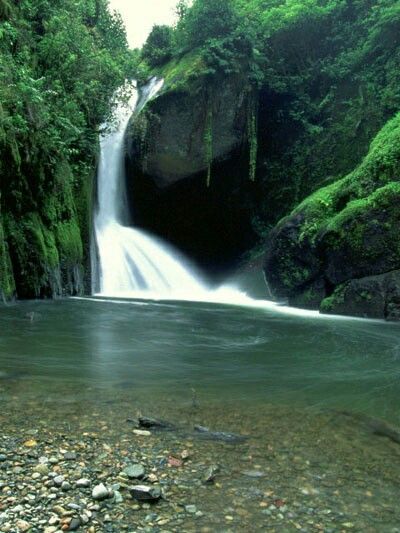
x=167 y=141
x=370 y=297
x=169 y=145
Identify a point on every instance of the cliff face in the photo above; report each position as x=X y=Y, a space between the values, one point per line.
x=188 y=167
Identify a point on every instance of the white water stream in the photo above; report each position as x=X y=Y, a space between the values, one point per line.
x=131 y=263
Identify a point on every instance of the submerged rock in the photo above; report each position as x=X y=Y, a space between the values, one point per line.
x=153 y=423
x=145 y=493
x=222 y=436
x=135 y=471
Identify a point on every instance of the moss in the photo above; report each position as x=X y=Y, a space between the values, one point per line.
x=34 y=254
x=69 y=242
x=252 y=134
x=346 y=230
x=335 y=300
x=7 y=282
x=179 y=73
x=331 y=205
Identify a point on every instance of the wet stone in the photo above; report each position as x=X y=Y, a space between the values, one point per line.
x=145 y=493
x=135 y=471
x=100 y=492
x=74 y=524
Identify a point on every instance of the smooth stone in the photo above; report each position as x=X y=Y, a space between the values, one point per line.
x=59 y=480
x=65 y=486
x=100 y=492
x=118 y=497
x=141 y=432
x=135 y=471
x=145 y=493
x=74 y=524
x=70 y=456
x=253 y=473
x=3 y=458
x=42 y=469
x=83 y=483
x=192 y=509
x=23 y=525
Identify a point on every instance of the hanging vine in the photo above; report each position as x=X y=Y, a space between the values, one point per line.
x=252 y=133
x=208 y=141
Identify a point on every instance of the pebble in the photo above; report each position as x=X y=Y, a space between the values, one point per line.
x=23 y=526
x=141 y=432
x=100 y=492
x=74 y=524
x=83 y=483
x=70 y=456
x=192 y=509
x=135 y=471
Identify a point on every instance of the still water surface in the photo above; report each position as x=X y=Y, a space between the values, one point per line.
x=226 y=353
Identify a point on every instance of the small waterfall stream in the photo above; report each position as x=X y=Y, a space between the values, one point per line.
x=131 y=262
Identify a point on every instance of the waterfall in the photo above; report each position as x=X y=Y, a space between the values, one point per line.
x=132 y=263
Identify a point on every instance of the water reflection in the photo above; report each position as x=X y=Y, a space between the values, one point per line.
x=225 y=353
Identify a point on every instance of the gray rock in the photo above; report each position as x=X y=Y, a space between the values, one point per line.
x=70 y=456
x=211 y=472
x=74 y=524
x=59 y=480
x=145 y=493
x=65 y=486
x=100 y=492
x=135 y=471
x=174 y=126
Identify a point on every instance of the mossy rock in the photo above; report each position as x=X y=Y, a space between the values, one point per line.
x=7 y=282
x=347 y=230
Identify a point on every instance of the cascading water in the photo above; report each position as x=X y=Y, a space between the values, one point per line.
x=131 y=262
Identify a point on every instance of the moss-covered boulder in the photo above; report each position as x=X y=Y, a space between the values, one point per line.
x=187 y=128
x=344 y=232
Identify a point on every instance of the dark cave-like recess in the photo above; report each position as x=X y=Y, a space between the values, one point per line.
x=211 y=225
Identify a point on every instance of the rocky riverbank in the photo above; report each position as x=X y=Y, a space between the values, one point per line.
x=68 y=466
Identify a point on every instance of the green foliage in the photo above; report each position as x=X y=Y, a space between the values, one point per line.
x=60 y=63
x=205 y=20
x=158 y=48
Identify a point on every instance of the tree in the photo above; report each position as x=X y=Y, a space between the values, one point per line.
x=158 y=47
x=205 y=20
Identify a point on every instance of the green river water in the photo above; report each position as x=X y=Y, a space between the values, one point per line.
x=306 y=391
